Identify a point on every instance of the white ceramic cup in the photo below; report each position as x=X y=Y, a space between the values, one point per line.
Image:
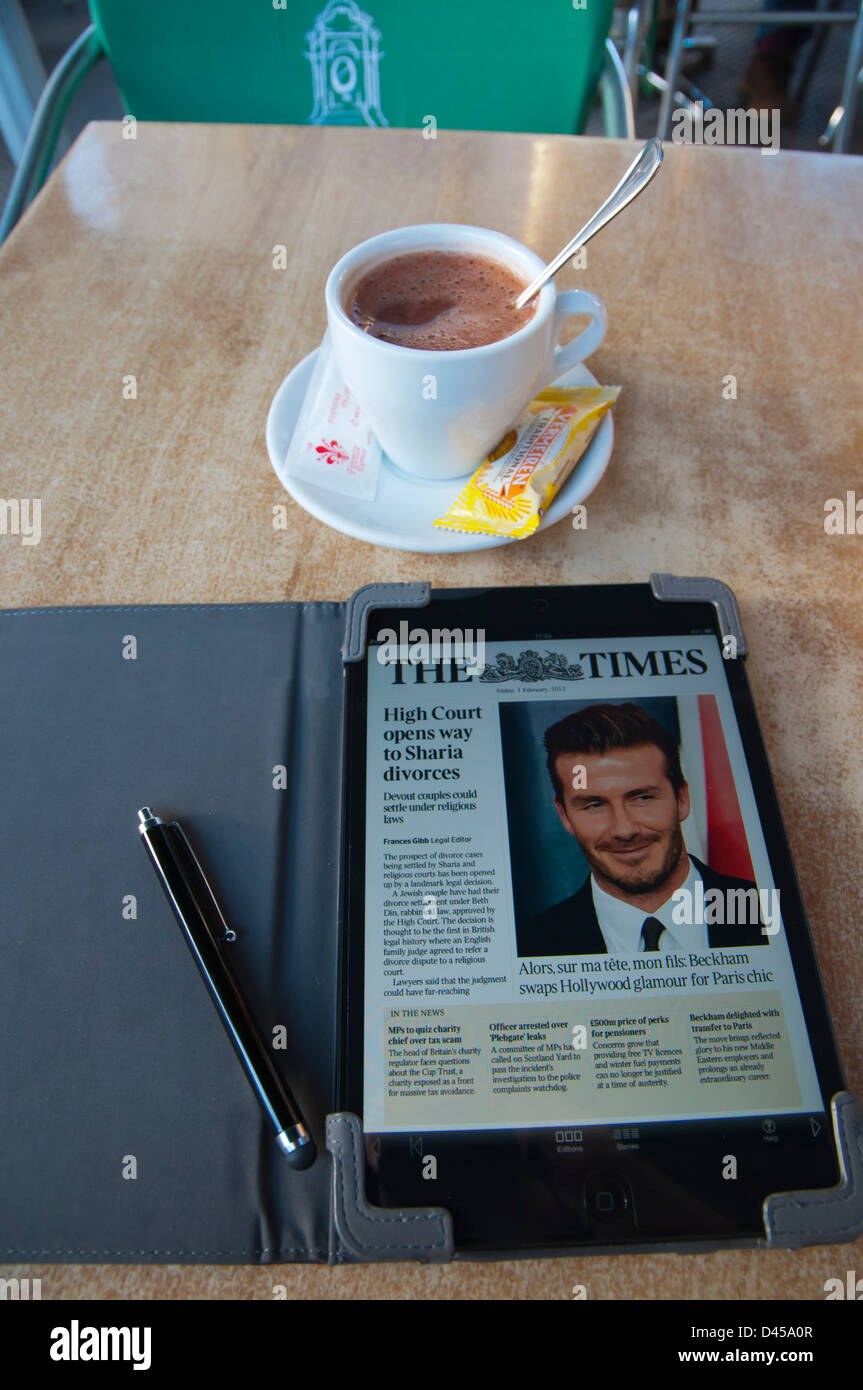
x=437 y=413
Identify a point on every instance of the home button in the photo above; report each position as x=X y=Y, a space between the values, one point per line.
x=608 y=1200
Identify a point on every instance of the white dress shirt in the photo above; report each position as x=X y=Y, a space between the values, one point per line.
x=621 y=923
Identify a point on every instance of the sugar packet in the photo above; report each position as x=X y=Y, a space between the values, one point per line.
x=333 y=444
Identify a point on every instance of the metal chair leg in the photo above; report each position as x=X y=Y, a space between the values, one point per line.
x=630 y=47
x=672 y=67
x=631 y=44
x=848 y=99
x=38 y=151
x=812 y=55
x=22 y=77
x=618 y=116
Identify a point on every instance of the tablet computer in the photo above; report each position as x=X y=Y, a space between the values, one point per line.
x=580 y=1002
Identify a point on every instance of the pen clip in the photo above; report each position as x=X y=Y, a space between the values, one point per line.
x=186 y=851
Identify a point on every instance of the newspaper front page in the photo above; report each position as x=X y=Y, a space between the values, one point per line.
x=570 y=914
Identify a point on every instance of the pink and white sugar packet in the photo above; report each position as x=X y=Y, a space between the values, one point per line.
x=333 y=445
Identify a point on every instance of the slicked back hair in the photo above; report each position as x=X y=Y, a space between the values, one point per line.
x=600 y=728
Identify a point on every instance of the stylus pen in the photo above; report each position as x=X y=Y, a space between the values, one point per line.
x=201 y=919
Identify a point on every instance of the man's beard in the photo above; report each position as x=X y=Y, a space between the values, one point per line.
x=640 y=880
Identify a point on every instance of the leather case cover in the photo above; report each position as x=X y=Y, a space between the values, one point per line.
x=129 y=1132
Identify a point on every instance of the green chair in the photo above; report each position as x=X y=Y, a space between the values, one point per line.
x=509 y=65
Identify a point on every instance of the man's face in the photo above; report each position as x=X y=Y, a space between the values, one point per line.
x=626 y=818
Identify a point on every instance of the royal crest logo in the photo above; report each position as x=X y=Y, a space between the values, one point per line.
x=344 y=54
x=532 y=667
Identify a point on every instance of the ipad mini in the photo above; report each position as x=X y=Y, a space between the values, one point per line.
x=581 y=1005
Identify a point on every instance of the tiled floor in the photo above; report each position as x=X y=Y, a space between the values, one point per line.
x=56 y=23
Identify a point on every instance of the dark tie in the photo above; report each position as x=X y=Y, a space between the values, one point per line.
x=651 y=932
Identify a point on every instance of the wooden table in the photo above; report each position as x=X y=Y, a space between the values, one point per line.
x=153 y=258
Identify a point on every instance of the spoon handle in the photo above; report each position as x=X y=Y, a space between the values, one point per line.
x=637 y=177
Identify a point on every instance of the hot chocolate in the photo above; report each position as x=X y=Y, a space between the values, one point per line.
x=439 y=300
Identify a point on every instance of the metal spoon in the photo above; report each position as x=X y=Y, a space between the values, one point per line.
x=637 y=176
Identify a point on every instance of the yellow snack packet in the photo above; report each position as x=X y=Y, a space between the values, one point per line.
x=510 y=491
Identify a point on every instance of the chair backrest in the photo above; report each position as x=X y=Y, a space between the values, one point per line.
x=500 y=65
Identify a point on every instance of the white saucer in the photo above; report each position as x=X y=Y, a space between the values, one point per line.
x=402 y=513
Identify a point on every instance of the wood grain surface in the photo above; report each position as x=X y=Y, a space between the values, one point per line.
x=153 y=257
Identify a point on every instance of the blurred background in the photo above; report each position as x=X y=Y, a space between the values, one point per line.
x=800 y=72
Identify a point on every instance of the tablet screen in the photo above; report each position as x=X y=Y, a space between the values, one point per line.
x=570 y=917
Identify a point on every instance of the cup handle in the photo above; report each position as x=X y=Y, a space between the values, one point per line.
x=571 y=302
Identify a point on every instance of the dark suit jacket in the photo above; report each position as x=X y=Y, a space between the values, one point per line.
x=571 y=928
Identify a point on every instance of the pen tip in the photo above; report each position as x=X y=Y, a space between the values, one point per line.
x=303 y=1158
x=298 y=1146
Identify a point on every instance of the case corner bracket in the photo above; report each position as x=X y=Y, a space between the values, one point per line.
x=378 y=1233
x=832 y=1214
x=674 y=588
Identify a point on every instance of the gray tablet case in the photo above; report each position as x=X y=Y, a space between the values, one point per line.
x=128 y=1132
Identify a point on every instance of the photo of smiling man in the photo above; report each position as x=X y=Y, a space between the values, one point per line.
x=619 y=791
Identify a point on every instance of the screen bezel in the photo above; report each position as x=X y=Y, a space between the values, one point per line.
x=484 y=1165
